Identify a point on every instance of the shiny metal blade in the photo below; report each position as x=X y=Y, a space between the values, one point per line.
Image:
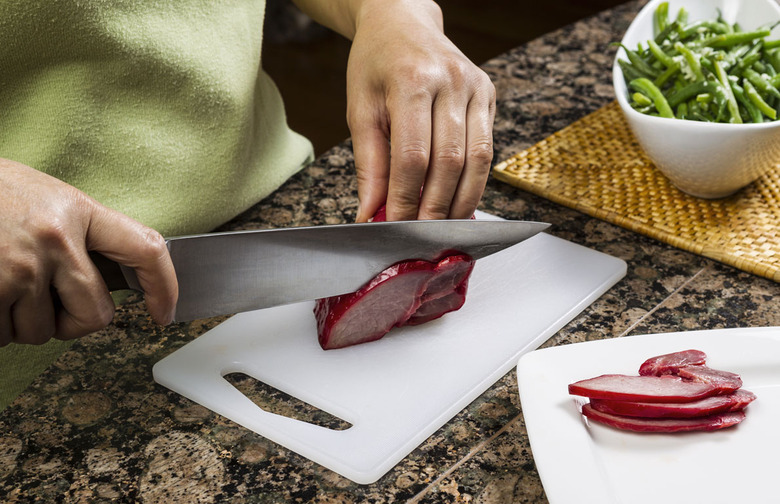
x=225 y=273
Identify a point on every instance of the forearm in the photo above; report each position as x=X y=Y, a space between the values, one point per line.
x=345 y=16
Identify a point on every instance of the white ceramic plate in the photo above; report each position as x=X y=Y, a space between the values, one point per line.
x=581 y=462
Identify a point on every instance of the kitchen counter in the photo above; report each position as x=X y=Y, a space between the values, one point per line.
x=95 y=427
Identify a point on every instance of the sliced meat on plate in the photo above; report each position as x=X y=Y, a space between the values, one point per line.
x=642 y=388
x=725 y=381
x=705 y=423
x=670 y=363
x=702 y=407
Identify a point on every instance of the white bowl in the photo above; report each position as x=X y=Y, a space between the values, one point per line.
x=708 y=160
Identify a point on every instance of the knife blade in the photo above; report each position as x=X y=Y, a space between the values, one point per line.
x=232 y=272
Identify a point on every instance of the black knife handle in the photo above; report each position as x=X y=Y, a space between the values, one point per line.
x=115 y=276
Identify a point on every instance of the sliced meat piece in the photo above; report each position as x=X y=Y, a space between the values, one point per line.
x=703 y=407
x=446 y=290
x=370 y=312
x=672 y=362
x=642 y=388
x=705 y=423
x=725 y=381
x=409 y=293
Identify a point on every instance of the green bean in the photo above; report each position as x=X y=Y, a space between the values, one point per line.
x=641 y=100
x=629 y=72
x=763 y=84
x=640 y=64
x=701 y=26
x=759 y=102
x=751 y=110
x=746 y=62
x=661 y=18
x=667 y=32
x=772 y=44
x=706 y=70
x=732 y=39
x=668 y=74
x=682 y=111
x=690 y=91
x=646 y=87
x=731 y=101
x=660 y=55
x=693 y=61
x=682 y=16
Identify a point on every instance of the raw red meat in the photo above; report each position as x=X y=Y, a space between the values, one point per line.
x=370 y=312
x=707 y=406
x=641 y=388
x=689 y=365
x=674 y=392
x=671 y=363
x=409 y=293
x=725 y=381
x=445 y=291
x=702 y=423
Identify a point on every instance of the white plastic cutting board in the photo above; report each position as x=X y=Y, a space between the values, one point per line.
x=399 y=390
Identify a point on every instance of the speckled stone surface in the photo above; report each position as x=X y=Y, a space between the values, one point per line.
x=96 y=428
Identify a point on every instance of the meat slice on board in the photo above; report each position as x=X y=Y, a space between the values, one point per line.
x=408 y=293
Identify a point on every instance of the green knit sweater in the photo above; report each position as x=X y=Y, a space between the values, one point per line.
x=156 y=108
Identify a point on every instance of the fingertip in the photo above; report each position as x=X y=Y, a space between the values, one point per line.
x=162 y=315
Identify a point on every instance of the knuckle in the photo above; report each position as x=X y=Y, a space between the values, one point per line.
x=404 y=207
x=416 y=77
x=51 y=232
x=413 y=154
x=469 y=202
x=33 y=331
x=435 y=210
x=99 y=318
x=481 y=152
x=457 y=69
x=104 y=315
x=412 y=82
x=450 y=156
x=23 y=270
x=153 y=246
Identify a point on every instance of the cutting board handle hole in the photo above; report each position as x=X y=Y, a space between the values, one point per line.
x=275 y=401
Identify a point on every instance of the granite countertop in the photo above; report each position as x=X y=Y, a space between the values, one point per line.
x=95 y=427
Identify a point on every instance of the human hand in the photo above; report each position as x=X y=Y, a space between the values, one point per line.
x=420 y=115
x=48 y=227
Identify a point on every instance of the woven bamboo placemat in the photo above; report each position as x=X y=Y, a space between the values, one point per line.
x=596 y=166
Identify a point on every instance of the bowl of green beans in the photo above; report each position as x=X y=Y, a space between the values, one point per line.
x=699 y=84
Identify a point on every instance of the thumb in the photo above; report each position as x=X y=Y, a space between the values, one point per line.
x=128 y=242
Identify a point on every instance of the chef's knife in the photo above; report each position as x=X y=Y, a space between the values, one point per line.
x=226 y=273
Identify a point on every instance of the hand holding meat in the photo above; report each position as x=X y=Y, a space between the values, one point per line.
x=48 y=227
x=409 y=85
x=420 y=113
